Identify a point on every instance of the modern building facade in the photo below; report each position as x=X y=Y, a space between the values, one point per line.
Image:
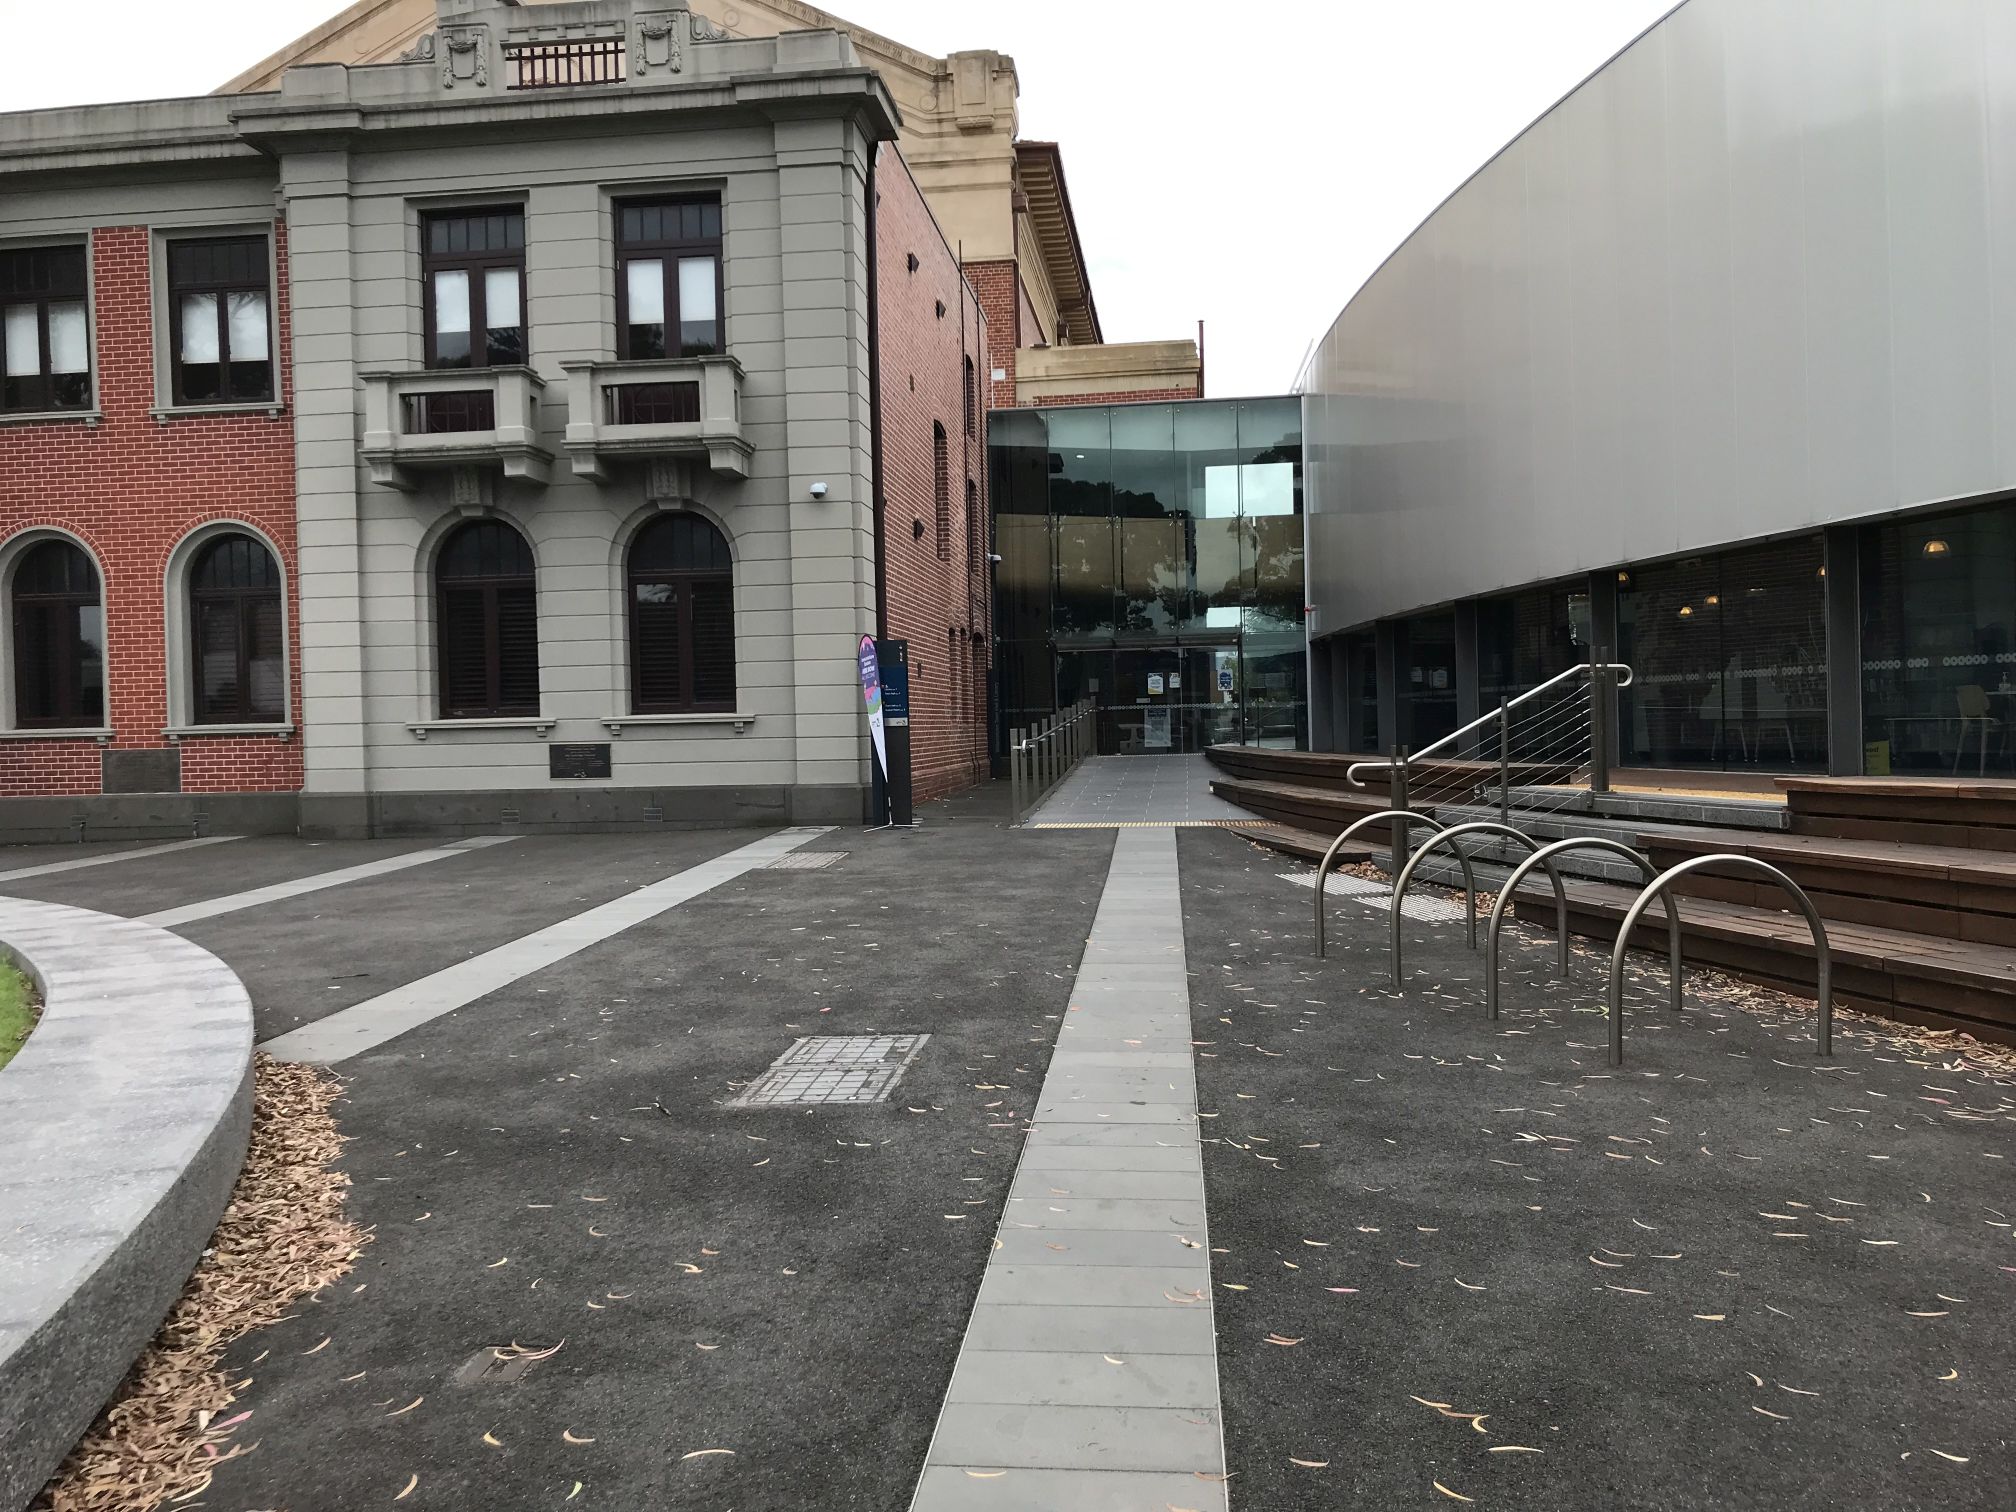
x=1710 y=365
x=1151 y=560
x=540 y=459
x=1003 y=203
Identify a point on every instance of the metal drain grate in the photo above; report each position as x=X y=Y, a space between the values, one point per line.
x=805 y=861
x=846 y=1068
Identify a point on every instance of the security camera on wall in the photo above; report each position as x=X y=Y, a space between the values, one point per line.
x=818 y=490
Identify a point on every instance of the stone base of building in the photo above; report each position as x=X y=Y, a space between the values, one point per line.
x=356 y=816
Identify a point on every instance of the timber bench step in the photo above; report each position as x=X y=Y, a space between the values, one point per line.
x=1304 y=807
x=1949 y=984
x=1952 y=892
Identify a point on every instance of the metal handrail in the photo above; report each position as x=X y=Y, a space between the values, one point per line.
x=1049 y=751
x=1580 y=668
x=1330 y=856
x=1469 y=879
x=1544 y=857
x=1824 y=985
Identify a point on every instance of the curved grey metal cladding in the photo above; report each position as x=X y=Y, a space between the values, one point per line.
x=1743 y=282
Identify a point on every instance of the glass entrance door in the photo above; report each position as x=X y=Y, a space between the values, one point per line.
x=1168 y=700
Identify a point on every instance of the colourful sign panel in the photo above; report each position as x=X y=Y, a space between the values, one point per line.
x=871 y=694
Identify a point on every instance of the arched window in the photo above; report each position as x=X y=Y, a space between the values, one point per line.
x=240 y=676
x=59 y=639
x=489 y=623
x=941 y=490
x=682 y=618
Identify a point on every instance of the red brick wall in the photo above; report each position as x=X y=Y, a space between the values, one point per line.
x=131 y=487
x=1000 y=289
x=940 y=606
x=1133 y=396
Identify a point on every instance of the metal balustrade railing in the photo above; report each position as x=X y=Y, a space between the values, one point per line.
x=1553 y=742
x=1040 y=755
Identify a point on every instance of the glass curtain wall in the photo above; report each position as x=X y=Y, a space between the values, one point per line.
x=1131 y=532
x=1425 y=653
x=1525 y=638
x=1938 y=604
x=1729 y=660
x=1359 y=731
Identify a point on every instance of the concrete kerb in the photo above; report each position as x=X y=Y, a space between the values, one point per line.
x=123 y=1125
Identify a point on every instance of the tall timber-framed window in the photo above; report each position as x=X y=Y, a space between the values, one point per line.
x=682 y=618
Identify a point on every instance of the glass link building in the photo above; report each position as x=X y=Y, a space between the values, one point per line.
x=1151 y=559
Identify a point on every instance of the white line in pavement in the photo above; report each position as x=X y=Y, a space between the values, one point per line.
x=108 y=859
x=366 y=1025
x=209 y=908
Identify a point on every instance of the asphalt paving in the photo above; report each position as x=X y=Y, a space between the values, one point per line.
x=1464 y=1263
x=749 y=1309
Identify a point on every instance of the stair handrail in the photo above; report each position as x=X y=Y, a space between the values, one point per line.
x=1477 y=826
x=1545 y=856
x=1580 y=669
x=1387 y=816
x=1653 y=889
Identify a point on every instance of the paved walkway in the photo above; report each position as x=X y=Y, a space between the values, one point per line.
x=1088 y=1375
x=1137 y=790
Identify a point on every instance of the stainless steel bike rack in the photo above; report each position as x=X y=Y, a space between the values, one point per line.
x=1665 y=879
x=1479 y=826
x=1545 y=857
x=1330 y=856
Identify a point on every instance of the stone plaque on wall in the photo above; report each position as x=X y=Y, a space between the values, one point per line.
x=140 y=771
x=578 y=761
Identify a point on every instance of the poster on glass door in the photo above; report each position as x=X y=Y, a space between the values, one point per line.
x=1155 y=729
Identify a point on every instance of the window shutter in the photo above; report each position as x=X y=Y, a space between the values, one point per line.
x=713 y=642
x=216 y=659
x=265 y=661
x=657 y=649
x=517 y=648
x=465 y=673
x=34 y=663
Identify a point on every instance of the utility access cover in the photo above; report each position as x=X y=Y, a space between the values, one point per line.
x=846 y=1069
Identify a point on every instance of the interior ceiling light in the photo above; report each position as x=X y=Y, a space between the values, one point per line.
x=1686 y=610
x=1714 y=599
x=1936 y=547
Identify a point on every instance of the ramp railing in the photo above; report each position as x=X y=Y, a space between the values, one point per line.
x=1040 y=755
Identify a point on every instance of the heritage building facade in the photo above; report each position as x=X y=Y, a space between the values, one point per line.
x=1002 y=202
x=520 y=431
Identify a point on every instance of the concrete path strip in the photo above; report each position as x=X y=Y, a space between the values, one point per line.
x=209 y=908
x=368 y=1024
x=1088 y=1376
x=107 y=858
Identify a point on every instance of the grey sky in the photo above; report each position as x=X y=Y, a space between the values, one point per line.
x=1247 y=166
